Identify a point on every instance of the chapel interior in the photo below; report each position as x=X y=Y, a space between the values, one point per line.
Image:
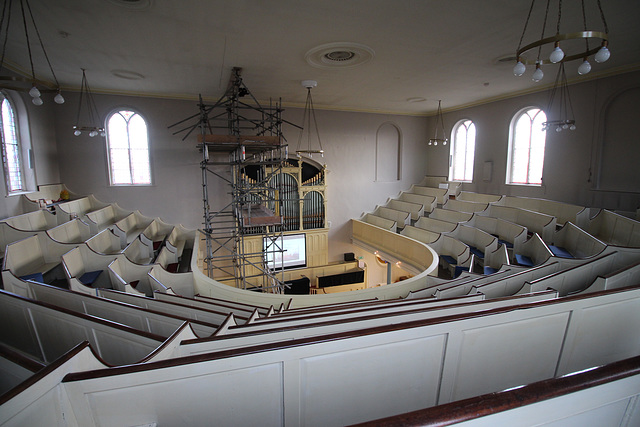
x=319 y=213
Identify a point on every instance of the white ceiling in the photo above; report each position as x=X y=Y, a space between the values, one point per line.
x=432 y=49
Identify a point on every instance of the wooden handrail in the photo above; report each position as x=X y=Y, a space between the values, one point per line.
x=488 y=404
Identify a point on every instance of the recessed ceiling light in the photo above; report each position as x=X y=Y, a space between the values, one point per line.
x=416 y=99
x=132 y=4
x=339 y=55
x=128 y=75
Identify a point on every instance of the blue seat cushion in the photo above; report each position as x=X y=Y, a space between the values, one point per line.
x=489 y=270
x=89 y=277
x=449 y=259
x=477 y=252
x=36 y=277
x=507 y=244
x=458 y=271
x=524 y=260
x=561 y=252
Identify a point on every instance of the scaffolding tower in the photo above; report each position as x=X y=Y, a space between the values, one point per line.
x=250 y=135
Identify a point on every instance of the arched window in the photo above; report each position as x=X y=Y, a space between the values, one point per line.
x=463 y=147
x=11 y=155
x=526 y=147
x=128 y=149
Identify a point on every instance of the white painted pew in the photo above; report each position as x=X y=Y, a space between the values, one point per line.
x=564 y=212
x=15 y=368
x=106 y=217
x=46 y=332
x=627 y=276
x=181 y=238
x=209 y=316
x=435 y=225
x=494 y=260
x=487 y=356
x=262 y=311
x=238 y=312
x=466 y=287
x=510 y=234
x=602 y=396
x=452 y=252
x=161 y=324
x=36 y=257
x=127 y=276
x=428 y=202
x=138 y=252
x=155 y=234
x=480 y=242
x=450 y=216
x=366 y=317
x=415 y=209
x=73 y=231
x=167 y=260
x=130 y=227
x=535 y=222
x=572 y=241
x=86 y=270
x=440 y=194
x=49 y=192
x=78 y=208
x=453 y=188
x=478 y=197
x=180 y=283
x=615 y=229
x=532 y=252
x=378 y=221
x=512 y=284
x=40 y=220
x=580 y=277
x=9 y=234
x=464 y=206
x=401 y=218
x=105 y=242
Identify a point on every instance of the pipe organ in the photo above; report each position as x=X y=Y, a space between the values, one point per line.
x=296 y=192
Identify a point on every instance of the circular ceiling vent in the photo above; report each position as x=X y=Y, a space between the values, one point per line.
x=339 y=55
x=132 y=4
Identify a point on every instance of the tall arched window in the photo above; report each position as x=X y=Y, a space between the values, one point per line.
x=526 y=147
x=128 y=149
x=463 y=147
x=11 y=156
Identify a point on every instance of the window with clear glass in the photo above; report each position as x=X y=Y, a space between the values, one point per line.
x=128 y=148
x=463 y=147
x=526 y=148
x=11 y=158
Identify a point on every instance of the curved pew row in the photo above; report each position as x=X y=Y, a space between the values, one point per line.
x=421 y=363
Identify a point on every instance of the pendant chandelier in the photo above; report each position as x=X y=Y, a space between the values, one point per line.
x=560 y=97
x=29 y=84
x=91 y=111
x=531 y=54
x=309 y=116
x=435 y=140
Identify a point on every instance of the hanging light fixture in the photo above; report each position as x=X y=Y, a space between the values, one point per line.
x=91 y=111
x=30 y=84
x=560 y=96
x=306 y=131
x=435 y=140
x=601 y=51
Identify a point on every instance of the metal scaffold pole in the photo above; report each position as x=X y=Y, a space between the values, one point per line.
x=251 y=136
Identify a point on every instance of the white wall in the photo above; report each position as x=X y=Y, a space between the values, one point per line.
x=572 y=158
x=348 y=139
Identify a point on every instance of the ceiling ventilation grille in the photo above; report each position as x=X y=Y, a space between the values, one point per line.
x=339 y=55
